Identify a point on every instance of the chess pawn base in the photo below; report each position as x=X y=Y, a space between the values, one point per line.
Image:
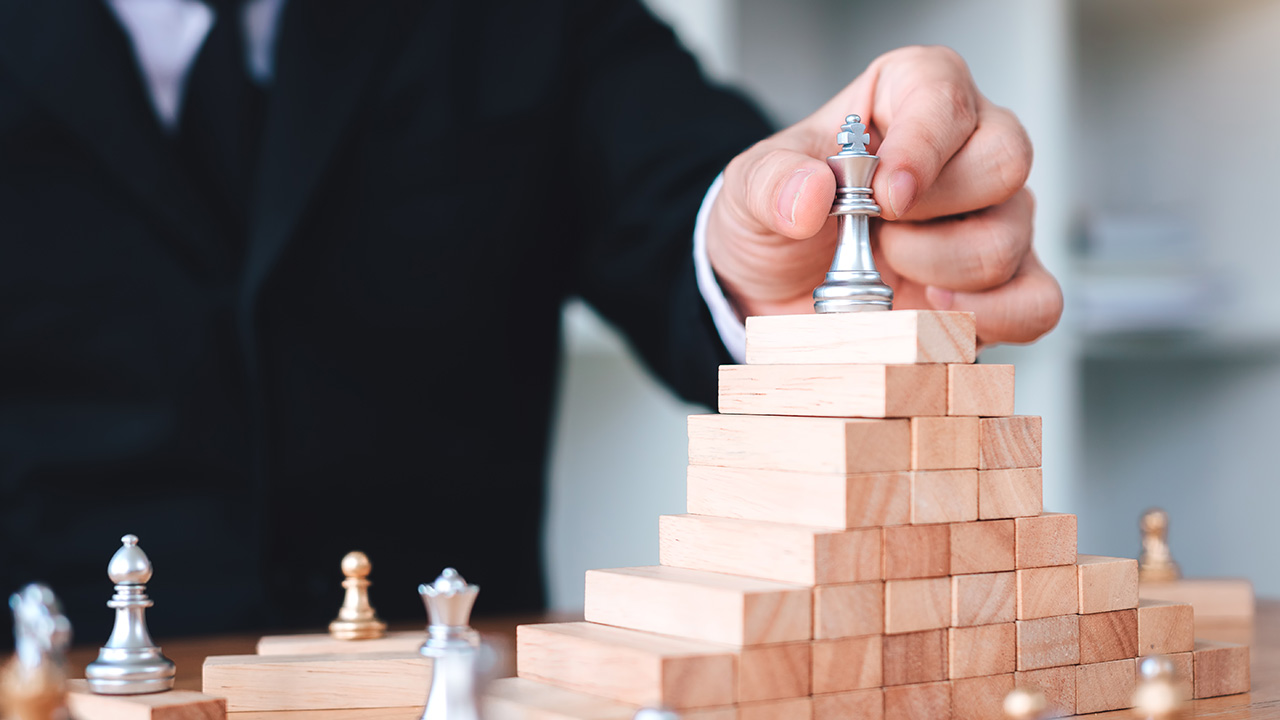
x=128 y=671
x=357 y=629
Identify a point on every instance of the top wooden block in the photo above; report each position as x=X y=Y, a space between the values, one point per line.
x=899 y=337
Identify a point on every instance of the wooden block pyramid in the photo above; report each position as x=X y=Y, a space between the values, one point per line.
x=865 y=538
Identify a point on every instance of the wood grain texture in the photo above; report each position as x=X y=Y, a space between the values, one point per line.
x=1107 y=583
x=854 y=704
x=912 y=605
x=917 y=551
x=83 y=704
x=317 y=682
x=1108 y=636
x=982 y=547
x=915 y=657
x=1048 y=642
x=1215 y=599
x=983 y=599
x=944 y=496
x=774 y=672
x=985 y=390
x=1058 y=685
x=1105 y=686
x=627 y=665
x=1220 y=669
x=944 y=443
x=802 y=444
x=1183 y=672
x=848 y=610
x=323 y=643
x=866 y=391
x=899 y=337
x=1165 y=628
x=982 y=650
x=1045 y=540
x=847 y=664
x=925 y=701
x=980 y=698
x=773 y=551
x=834 y=500
x=792 y=709
x=1009 y=442
x=703 y=606
x=1010 y=493
x=1048 y=591
x=523 y=699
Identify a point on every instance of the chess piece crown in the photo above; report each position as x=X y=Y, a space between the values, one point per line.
x=853 y=284
x=453 y=646
x=130 y=663
x=33 y=684
x=356 y=619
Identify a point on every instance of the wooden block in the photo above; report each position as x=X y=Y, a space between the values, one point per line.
x=699 y=605
x=847 y=664
x=944 y=443
x=802 y=444
x=899 y=337
x=1215 y=599
x=1107 y=583
x=915 y=657
x=83 y=704
x=912 y=605
x=1045 y=540
x=917 y=551
x=926 y=701
x=1183 y=672
x=980 y=698
x=787 y=553
x=1058 y=685
x=983 y=599
x=774 y=672
x=1048 y=642
x=852 y=705
x=1010 y=493
x=801 y=498
x=1165 y=628
x=323 y=643
x=1108 y=636
x=1009 y=442
x=627 y=665
x=868 y=391
x=1105 y=686
x=317 y=682
x=1048 y=591
x=982 y=547
x=848 y=610
x=985 y=390
x=1220 y=669
x=982 y=650
x=944 y=496
x=792 y=709
x=523 y=699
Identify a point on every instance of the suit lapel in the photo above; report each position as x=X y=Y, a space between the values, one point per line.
x=76 y=61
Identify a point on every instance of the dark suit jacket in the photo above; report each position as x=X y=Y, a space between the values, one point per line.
x=373 y=365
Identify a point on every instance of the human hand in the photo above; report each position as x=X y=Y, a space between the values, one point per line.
x=950 y=183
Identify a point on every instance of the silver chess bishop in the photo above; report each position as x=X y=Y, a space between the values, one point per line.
x=853 y=284
x=33 y=684
x=130 y=663
x=454 y=648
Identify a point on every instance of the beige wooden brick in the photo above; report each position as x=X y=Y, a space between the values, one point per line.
x=912 y=605
x=1048 y=642
x=1058 y=685
x=1183 y=672
x=904 y=337
x=982 y=547
x=1045 y=540
x=848 y=610
x=790 y=709
x=847 y=664
x=982 y=650
x=1047 y=591
x=1108 y=636
x=835 y=500
x=980 y=698
x=515 y=698
x=925 y=701
x=1009 y=442
x=868 y=391
x=1107 y=583
x=802 y=444
x=985 y=390
x=1105 y=686
x=915 y=657
x=983 y=599
x=852 y=705
x=267 y=683
x=84 y=704
x=774 y=672
x=1010 y=493
x=1220 y=669
x=944 y=496
x=1165 y=628
x=944 y=443
x=917 y=551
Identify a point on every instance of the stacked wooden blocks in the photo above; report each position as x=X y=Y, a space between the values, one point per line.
x=865 y=538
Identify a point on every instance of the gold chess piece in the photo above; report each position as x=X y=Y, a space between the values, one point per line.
x=1157 y=696
x=1024 y=704
x=1156 y=562
x=356 y=619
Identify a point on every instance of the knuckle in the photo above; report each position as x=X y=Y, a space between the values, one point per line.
x=1011 y=157
x=1000 y=254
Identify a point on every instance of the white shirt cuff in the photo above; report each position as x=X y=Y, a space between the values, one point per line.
x=732 y=331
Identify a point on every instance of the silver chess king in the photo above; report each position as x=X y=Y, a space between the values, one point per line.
x=130 y=663
x=853 y=284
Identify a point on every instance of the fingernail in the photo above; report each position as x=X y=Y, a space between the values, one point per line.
x=940 y=299
x=790 y=195
x=902 y=192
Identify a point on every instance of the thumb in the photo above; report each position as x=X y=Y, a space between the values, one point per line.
x=778 y=191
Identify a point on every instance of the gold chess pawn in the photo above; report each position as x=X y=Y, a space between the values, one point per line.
x=1156 y=562
x=1024 y=704
x=356 y=619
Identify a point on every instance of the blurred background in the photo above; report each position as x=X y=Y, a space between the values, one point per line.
x=1155 y=130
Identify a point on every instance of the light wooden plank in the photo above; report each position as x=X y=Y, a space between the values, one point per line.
x=903 y=337
x=834 y=500
x=1215 y=599
x=985 y=390
x=1048 y=642
x=982 y=650
x=700 y=605
x=523 y=699
x=848 y=610
x=1220 y=669
x=925 y=701
x=317 y=682
x=1045 y=540
x=1048 y=591
x=980 y=698
x=1009 y=442
x=1058 y=685
x=917 y=551
x=323 y=644
x=860 y=704
x=915 y=657
x=982 y=547
x=774 y=672
x=866 y=391
x=791 y=709
x=1107 y=636
x=1183 y=672
x=802 y=444
x=983 y=599
x=1165 y=628
x=912 y=605
x=83 y=704
x=847 y=664
x=944 y=443
x=1107 y=583
x=1105 y=686
x=944 y=496
x=1010 y=493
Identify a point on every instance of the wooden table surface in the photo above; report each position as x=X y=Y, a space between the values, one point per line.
x=1263 y=702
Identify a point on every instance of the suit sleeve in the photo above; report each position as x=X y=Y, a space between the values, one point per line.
x=650 y=135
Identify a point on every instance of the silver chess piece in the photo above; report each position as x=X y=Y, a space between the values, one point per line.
x=130 y=663
x=648 y=713
x=454 y=648
x=33 y=683
x=853 y=284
